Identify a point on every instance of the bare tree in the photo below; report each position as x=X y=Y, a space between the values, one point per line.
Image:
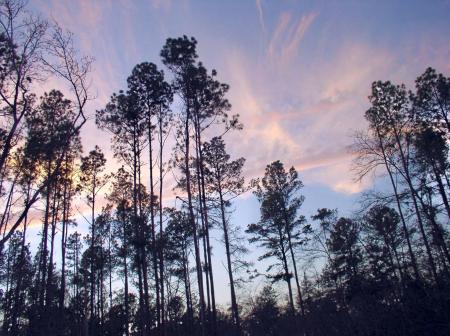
x=33 y=52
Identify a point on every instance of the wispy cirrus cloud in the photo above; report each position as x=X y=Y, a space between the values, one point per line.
x=312 y=130
x=297 y=35
x=161 y=4
x=288 y=34
x=259 y=8
x=299 y=96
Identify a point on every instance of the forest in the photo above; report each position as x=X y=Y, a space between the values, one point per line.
x=145 y=266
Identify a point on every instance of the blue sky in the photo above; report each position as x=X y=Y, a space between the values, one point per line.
x=299 y=71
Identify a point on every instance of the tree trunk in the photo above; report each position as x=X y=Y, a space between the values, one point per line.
x=18 y=289
x=399 y=207
x=161 y=232
x=286 y=270
x=442 y=190
x=234 y=306
x=125 y=265
x=153 y=228
x=294 y=263
x=205 y=215
x=416 y=207
x=194 y=225
x=66 y=207
x=44 y=251
x=92 y=278
x=143 y=251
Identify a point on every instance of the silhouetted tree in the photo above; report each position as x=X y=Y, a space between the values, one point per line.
x=278 y=193
x=124 y=119
x=153 y=96
x=92 y=181
x=264 y=314
x=224 y=181
x=180 y=55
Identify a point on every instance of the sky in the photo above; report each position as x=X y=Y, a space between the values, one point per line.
x=299 y=74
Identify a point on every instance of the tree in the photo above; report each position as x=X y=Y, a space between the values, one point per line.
x=431 y=158
x=27 y=49
x=50 y=140
x=269 y=234
x=22 y=42
x=383 y=243
x=179 y=55
x=278 y=193
x=120 y=196
x=345 y=254
x=153 y=96
x=92 y=181
x=68 y=179
x=178 y=240
x=205 y=105
x=389 y=115
x=380 y=147
x=432 y=99
x=74 y=248
x=264 y=314
x=18 y=279
x=326 y=218
x=224 y=180
x=123 y=118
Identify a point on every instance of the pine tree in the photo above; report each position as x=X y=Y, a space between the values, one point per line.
x=224 y=181
x=278 y=193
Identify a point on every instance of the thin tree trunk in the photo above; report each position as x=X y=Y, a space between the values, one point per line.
x=110 y=266
x=143 y=252
x=92 y=278
x=399 y=207
x=153 y=228
x=136 y=225
x=125 y=265
x=190 y=312
x=49 y=294
x=286 y=270
x=442 y=191
x=18 y=289
x=430 y=213
x=205 y=214
x=44 y=251
x=294 y=263
x=194 y=225
x=205 y=257
x=161 y=232
x=416 y=207
x=234 y=306
x=101 y=280
x=66 y=201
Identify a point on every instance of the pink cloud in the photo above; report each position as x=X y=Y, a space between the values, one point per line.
x=274 y=43
x=294 y=108
x=313 y=131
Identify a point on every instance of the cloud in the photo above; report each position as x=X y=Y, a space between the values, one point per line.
x=161 y=4
x=334 y=174
x=283 y=23
x=297 y=114
x=288 y=35
x=353 y=69
x=259 y=8
x=303 y=115
x=297 y=36
x=298 y=97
